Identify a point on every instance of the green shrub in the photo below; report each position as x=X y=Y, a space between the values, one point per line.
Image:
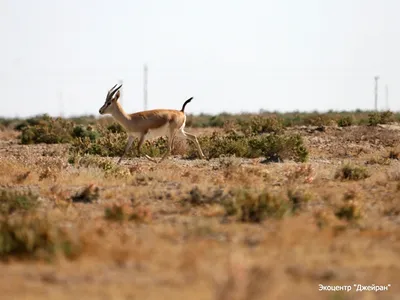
x=273 y=147
x=386 y=117
x=376 y=118
x=217 y=144
x=345 y=121
x=48 y=131
x=111 y=144
x=258 y=125
x=115 y=128
x=81 y=131
x=279 y=147
x=317 y=119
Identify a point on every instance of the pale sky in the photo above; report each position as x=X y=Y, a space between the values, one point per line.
x=231 y=56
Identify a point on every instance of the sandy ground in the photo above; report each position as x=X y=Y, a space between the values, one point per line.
x=187 y=251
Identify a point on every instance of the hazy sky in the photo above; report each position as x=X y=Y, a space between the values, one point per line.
x=233 y=56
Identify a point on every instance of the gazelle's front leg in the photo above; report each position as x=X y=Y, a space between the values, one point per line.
x=127 y=147
x=142 y=139
x=169 y=147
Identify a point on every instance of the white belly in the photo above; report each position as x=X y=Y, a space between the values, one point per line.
x=154 y=133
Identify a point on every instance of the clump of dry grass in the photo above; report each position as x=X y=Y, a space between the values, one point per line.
x=106 y=165
x=246 y=205
x=349 y=210
x=255 y=207
x=198 y=197
x=36 y=236
x=12 y=201
x=303 y=173
x=351 y=172
x=127 y=212
x=377 y=160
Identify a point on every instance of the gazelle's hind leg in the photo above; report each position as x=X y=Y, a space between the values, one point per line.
x=142 y=139
x=193 y=138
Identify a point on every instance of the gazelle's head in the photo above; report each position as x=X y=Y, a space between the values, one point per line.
x=111 y=100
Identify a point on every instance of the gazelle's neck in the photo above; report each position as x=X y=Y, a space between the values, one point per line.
x=120 y=115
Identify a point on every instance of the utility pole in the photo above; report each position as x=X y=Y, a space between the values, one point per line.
x=145 y=72
x=376 y=92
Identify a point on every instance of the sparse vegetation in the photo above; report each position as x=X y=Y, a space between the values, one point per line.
x=216 y=228
x=11 y=201
x=36 y=235
x=350 y=172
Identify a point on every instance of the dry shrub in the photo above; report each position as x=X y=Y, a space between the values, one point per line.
x=247 y=205
x=12 y=201
x=251 y=207
x=87 y=195
x=109 y=168
x=127 y=212
x=302 y=172
x=350 y=210
x=378 y=160
x=36 y=236
x=350 y=172
x=197 y=197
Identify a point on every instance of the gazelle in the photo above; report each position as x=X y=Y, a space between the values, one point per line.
x=148 y=124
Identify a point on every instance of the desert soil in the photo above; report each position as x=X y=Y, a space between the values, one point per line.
x=187 y=251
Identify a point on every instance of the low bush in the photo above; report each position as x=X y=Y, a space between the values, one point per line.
x=350 y=172
x=258 y=125
x=36 y=236
x=12 y=201
x=125 y=212
x=273 y=147
x=345 y=121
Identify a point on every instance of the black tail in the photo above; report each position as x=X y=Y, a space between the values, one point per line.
x=186 y=102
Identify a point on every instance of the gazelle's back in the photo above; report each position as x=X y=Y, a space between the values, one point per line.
x=153 y=119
